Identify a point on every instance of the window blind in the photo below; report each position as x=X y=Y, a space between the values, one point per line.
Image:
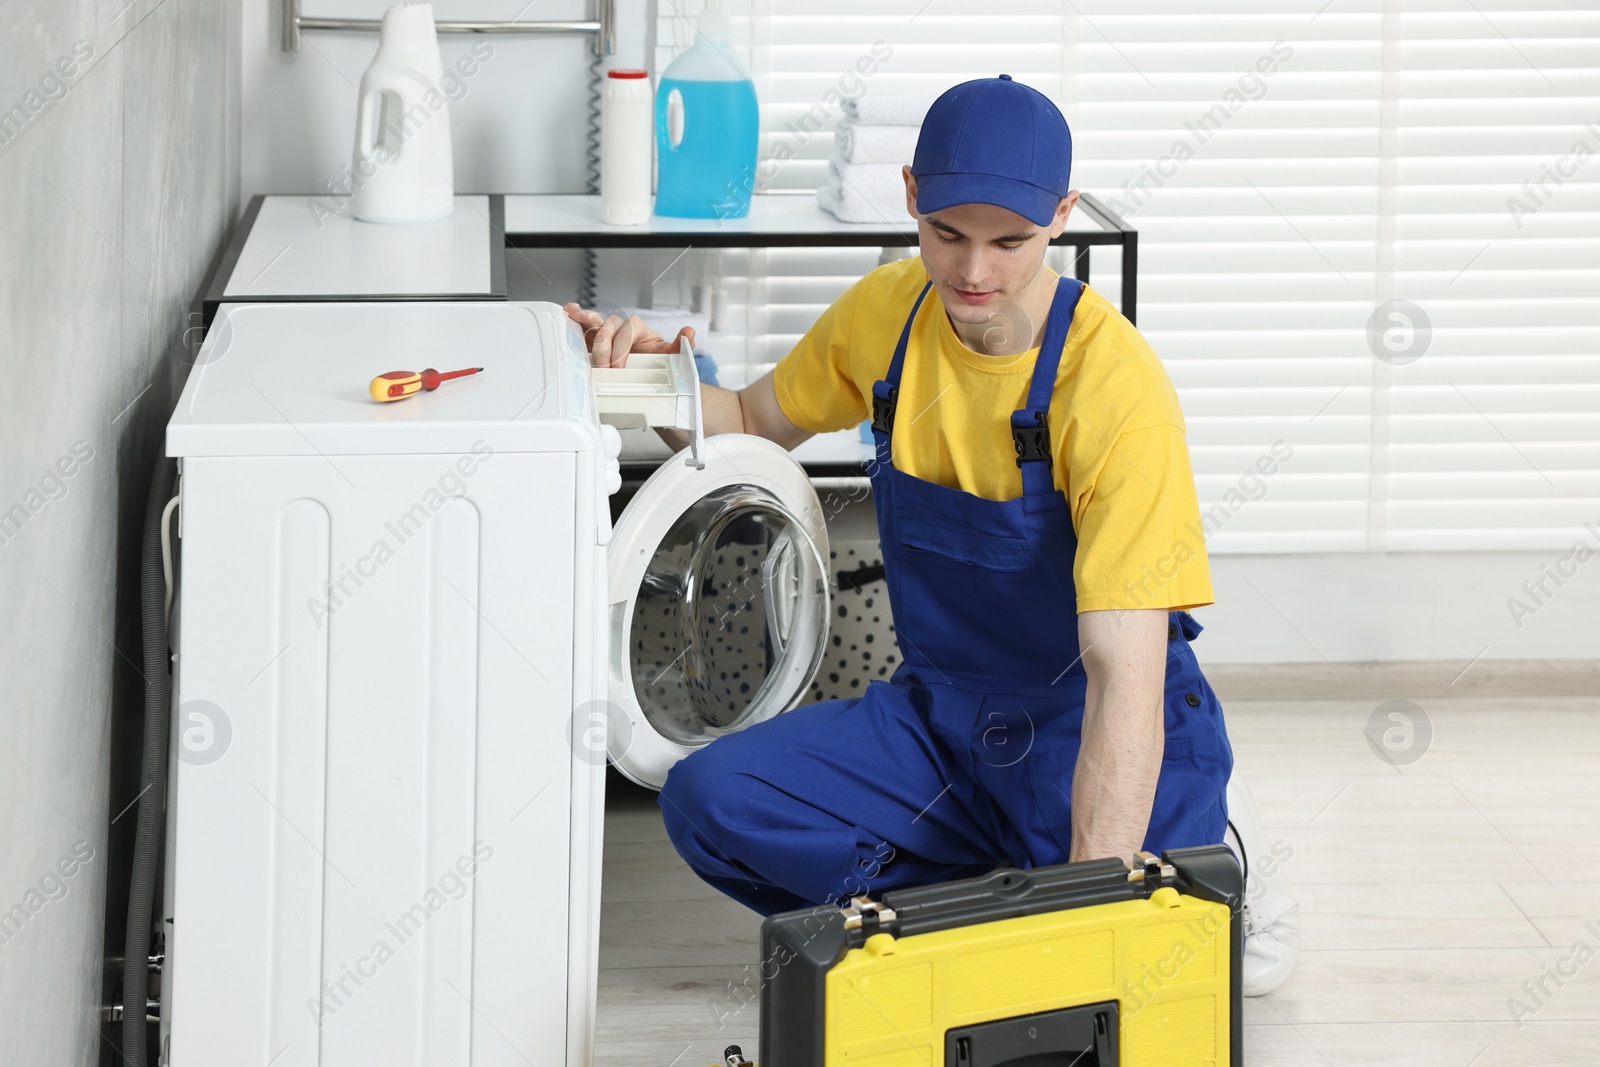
x=1375 y=348
x=1492 y=433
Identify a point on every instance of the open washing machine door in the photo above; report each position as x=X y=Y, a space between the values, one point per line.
x=719 y=602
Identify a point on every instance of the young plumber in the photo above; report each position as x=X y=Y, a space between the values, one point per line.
x=1035 y=502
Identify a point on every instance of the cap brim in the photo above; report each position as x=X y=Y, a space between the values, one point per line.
x=935 y=192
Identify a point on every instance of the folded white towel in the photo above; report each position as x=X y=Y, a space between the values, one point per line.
x=860 y=143
x=887 y=109
x=876 y=180
x=865 y=192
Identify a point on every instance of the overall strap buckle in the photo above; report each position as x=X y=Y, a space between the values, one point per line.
x=884 y=397
x=1030 y=435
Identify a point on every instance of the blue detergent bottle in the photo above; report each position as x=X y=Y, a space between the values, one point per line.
x=707 y=128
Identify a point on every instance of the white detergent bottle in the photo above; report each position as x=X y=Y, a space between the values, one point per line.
x=403 y=169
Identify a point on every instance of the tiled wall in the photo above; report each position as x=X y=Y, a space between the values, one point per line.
x=118 y=180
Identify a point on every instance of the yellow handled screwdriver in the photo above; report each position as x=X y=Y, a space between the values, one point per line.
x=399 y=384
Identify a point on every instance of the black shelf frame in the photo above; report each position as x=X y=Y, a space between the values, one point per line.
x=1114 y=230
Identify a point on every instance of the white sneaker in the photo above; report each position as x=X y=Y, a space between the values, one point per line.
x=1271 y=915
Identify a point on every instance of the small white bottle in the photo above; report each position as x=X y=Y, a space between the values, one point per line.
x=403 y=165
x=627 y=132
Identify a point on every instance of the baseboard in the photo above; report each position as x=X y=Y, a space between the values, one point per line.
x=1381 y=681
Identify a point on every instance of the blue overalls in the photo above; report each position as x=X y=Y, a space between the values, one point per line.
x=963 y=760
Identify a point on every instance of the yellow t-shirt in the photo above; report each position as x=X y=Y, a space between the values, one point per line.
x=1118 y=443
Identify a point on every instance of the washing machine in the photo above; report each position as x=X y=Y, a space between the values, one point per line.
x=408 y=637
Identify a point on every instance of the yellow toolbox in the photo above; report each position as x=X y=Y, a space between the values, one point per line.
x=1084 y=964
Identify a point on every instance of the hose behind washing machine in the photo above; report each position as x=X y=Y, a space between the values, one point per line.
x=153 y=773
x=589 y=273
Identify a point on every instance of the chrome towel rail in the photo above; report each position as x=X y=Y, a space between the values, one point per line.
x=604 y=27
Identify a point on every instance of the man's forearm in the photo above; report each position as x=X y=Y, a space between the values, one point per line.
x=1119 y=760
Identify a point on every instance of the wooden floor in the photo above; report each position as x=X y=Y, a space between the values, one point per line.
x=1431 y=892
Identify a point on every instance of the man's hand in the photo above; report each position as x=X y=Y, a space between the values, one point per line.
x=753 y=409
x=1124 y=732
x=611 y=339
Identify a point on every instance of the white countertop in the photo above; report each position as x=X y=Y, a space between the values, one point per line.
x=311 y=246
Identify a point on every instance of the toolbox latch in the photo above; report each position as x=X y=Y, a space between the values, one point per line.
x=1151 y=871
x=867 y=915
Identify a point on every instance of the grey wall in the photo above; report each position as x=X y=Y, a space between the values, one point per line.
x=117 y=183
x=517 y=124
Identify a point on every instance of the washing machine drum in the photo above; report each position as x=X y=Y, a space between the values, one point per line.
x=719 y=602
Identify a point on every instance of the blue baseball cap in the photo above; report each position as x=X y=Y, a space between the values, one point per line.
x=993 y=141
